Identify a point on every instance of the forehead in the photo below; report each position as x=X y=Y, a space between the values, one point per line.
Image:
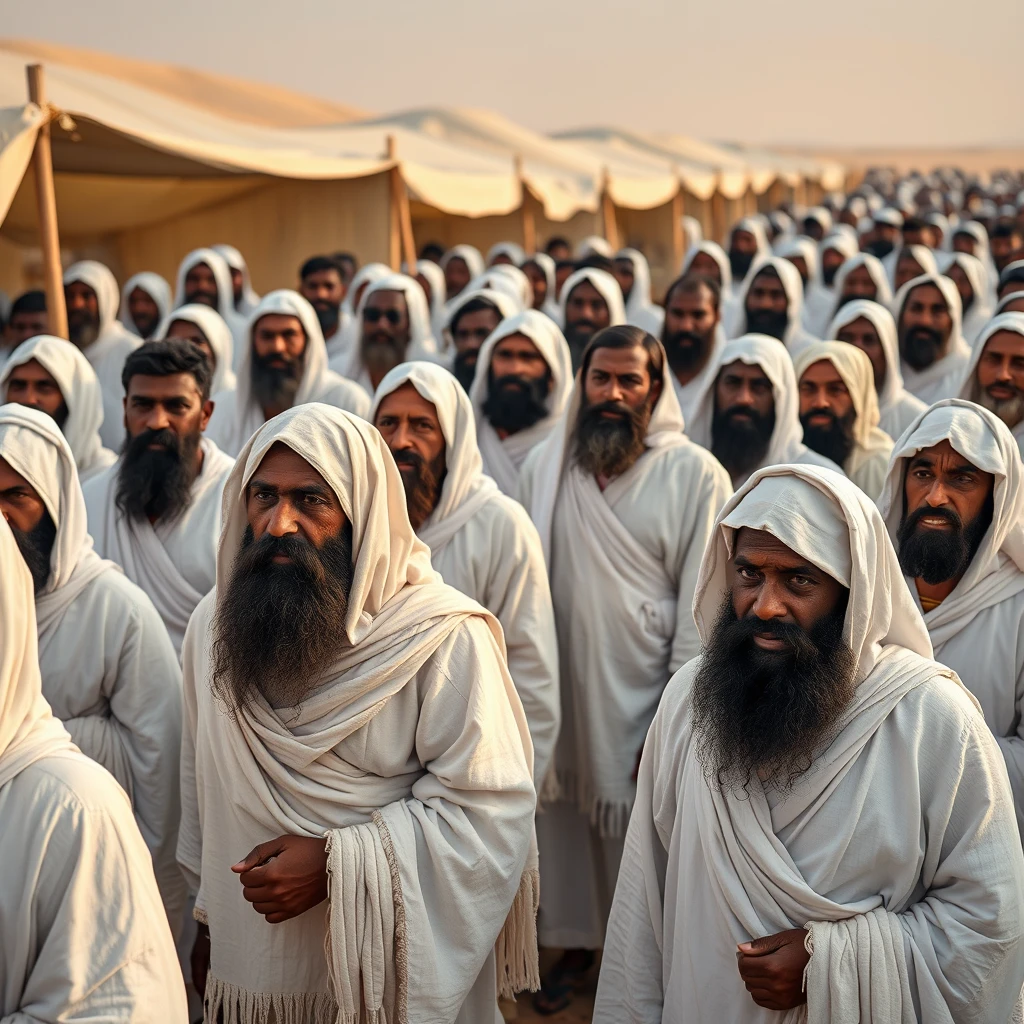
x=476 y=317
x=767 y=278
x=515 y=344
x=279 y=323
x=822 y=372
x=765 y=550
x=742 y=235
x=1006 y=342
x=185 y=329
x=860 y=273
x=80 y=287
x=693 y=298
x=585 y=292
x=406 y=401
x=862 y=325
x=139 y=292
x=10 y=478
x=324 y=274
x=748 y=371
x=31 y=370
x=200 y=268
x=624 y=265
x=941 y=452
x=142 y=385
x=619 y=361
x=287 y=470
x=927 y=295
x=385 y=298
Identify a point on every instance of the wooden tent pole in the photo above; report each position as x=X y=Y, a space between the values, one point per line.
x=401 y=245
x=527 y=220
x=678 y=236
x=46 y=199
x=608 y=222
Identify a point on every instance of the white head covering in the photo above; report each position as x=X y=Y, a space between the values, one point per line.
x=1005 y=301
x=591 y=245
x=469 y=254
x=503 y=278
x=514 y=252
x=981 y=308
x=794 y=338
x=890 y=216
x=102 y=281
x=438 y=291
x=982 y=248
x=216 y=332
x=921 y=253
x=507 y=306
x=368 y=273
x=640 y=309
x=997 y=570
x=155 y=287
x=1001 y=322
x=605 y=284
x=221 y=274
x=940 y=221
x=465 y=489
x=876 y=271
x=754 y=226
x=547 y=265
x=236 y=261
x=81 y=392
x=717 y=253
x=804 y=247
x=346 y=339
x=693 y=231
x=503 y=458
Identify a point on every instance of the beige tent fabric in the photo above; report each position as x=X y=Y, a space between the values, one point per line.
x=414 y=759
x=80 y=389
x=868 y=463
x=216 y=332
x=889 y=933
x=154 y=286
x=18 y=129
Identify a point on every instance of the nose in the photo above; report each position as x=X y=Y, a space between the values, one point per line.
x=283 y=521
x=400 y=439
x=613 y=392
x=157 y=419
x=937 y=496
x=745 y=395
x=767 y=604
x=277 y=345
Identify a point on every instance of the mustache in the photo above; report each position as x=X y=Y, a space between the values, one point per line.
x=423 y=485
x=36 y=546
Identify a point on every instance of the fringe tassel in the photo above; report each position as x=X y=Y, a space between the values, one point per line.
x=516 y=952
x=401 y=935
x=199 y=914
x=609 y=817
x=229 y=1004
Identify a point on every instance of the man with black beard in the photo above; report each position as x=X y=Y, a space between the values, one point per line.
x=933 y=353
x=522 y=385
x=108 y=669
x=156 y=511
x=481 y=542
x=887 y=232
x=589 y=301
x=813 y=726
x=771 y=303
x=746 y=244
x=472 y=318
x=954 y=507
x=322 y=284
x=995 y=377
x=361 y=713
x=624 y=504
x=692 y=336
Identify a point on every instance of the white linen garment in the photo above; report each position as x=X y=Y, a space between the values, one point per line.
x=502 y=277
x=82 y=932
x=108 y=352
x=605 y=284
x=755 y=227
x=912 y=892
x=438 y=292
x=236 y=321
x=236 y=261
x=469 y=254
x=1013 y=322
x=237 y=414
x=727 y=299
x=80 y=389
x=108 y=669
x=155 y=287
x=868 y=464
x=820 y=299
x=978 y=630
x=897 y=407
x=504 y=457
x=980 y=312
x=943 y=378
x=787 y=443
x=485 y=545
x=171 y=560
x=217 y=333
x=510 y=249
x=641 y=310
x=922 y=254
x=795 y=337
x=547 y=266
x=413 y=759
x=873 y=265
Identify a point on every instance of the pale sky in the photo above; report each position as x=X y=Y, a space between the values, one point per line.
x=818 y=72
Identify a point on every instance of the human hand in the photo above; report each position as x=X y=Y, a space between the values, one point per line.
x=772 y=968
x=285 y=877
x=200 y=960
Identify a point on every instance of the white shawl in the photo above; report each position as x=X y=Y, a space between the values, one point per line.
x=512 y=250
x=873 y=265
x=503 y=457
x=897 y=407
x=504 y=278
x=438 y=292
x=1013 y=322
x=641 y=311
x=868 y=463
x=236 y=261
x=820 y=299
x=216 y=332
x=981 y=308
x=755 y=226
x=942 y=379
x=605 y=284
x=414 y=760
x=795 y=337
x=80 y=389
x=108 y=352
x=237 y=415
x=924 y=257
x=547 y=266
x=893 y=929
x=155 y=287
x=236 y=321
x=470 y=255
x=507 y=307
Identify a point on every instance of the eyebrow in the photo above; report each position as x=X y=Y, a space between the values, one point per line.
x=310 y=488
x=802 y=569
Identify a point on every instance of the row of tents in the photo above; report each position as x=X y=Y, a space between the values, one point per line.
x=147 y=167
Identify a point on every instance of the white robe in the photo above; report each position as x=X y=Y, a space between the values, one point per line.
x=912 y=893
x=112 y=346
x=691 y=394
x=173 y=561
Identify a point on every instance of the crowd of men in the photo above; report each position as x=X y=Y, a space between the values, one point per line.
x=359 y=640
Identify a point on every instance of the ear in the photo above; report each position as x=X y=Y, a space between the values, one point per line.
x=124 y=417
x=207 y=412
x=656 y=391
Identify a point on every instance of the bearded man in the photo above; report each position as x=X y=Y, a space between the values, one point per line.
x=471 y=319
x=26 y=319
x=205 y=328
x=746 y=245
x=624 y=504
x=954 y=507
x=82 y=933
x=108 y=670
x=750 y=417
x=820 y=296
x=752 y=881
x=243 y=295
x=145 y=301
x=933 y=352
x=284 y=364
x=461 y=264
x=204 y=278
x=771 y=303
x=52 y=375
x=156 y=511
x=590 y=300
x=995 y=375
x=839 y=412
x=481 y=542
x=633 y=272
x=91 y=294
x=860 y=277
x=692 y=337
x=362 y=714
x=521 y=388
x=322 y=285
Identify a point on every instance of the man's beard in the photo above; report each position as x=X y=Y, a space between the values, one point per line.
x=60 y=417
x=686 y=350
x=921 y=347
x=202 y=298
x=156 y=484
x=146 y=325
x=328 y=314
x=35 y=546
x=275 y=387
x=966 y=303
x=83 y=330
x=464 y=367
x=740 y=263
x=835 y=441
x=937 y=556
x=578 y=336
x=767 y=321
x=516 y=403
x=280 y=626
x=1009 y=410
x=422 y=485
x=608 y=447
x=766 y=715
x=741 y=445
x=828 y=275
x=383 y=352
x=880 y=248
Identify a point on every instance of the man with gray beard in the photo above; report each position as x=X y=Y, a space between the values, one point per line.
x=624 y=504
x=995 y=376
x=822 y=816
x=351 y=723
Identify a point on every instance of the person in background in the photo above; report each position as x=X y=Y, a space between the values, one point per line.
x=145 y=301
x=27 y=318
